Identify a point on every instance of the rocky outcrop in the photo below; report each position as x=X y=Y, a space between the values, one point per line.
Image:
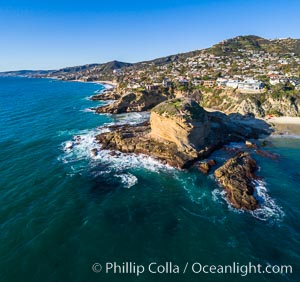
x=106 y=95
x=136 y=139
x=236 y=177
x=205 y=166
x=181 y=121
x=180 y=132
x=133 y=102
x=249 y=106
x=267 y=154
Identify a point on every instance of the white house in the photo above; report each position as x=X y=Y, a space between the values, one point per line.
x=221 y=82
x=250 y=85
x=232 y=83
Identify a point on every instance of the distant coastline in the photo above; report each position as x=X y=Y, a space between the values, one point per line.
x=107 y=84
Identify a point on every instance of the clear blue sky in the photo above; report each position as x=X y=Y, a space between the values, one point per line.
x=37 y=34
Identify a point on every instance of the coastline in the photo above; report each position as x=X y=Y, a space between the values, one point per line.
x=282 y=126
x=106 y=83
x=285 y=125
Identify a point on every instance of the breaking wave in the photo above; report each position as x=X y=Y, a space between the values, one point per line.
x=128 y=179
x=84 y=147
x=268 y=211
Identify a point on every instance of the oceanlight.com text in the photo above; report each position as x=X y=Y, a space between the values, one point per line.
x=189 y=267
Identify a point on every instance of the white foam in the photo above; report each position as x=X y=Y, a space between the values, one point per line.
x=83 y=143
x=127 y=179
x=88 y=110
x=116 y=164
x=131 y=118
x=68 y=146
x=268 y=211
x=235 y=145
x=219 y=196
x=124 y=161
x=108 y=86
x=87 y=98
x=285 y=136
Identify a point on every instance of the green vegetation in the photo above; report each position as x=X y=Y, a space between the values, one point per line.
x=274 y=113
x=255 y=43
x=283 y=91
x=186 y=108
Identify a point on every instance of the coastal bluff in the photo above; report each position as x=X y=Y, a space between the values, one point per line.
x=129 y=102
x=180 y=132
x=181 y=121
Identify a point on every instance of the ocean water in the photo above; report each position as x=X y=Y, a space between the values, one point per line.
x=61 y=211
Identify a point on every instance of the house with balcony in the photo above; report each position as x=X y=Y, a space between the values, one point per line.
x=251 y=85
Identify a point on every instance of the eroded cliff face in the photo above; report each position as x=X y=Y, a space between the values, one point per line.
x=227 y=101
x=180 y=132
x=174 y=121
x=260 y=105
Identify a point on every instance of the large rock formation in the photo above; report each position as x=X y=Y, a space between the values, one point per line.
x=236 y=177
x=136 y=139
x=134 y=102
x=106 y=95
x=181 y=121
x=180 y=133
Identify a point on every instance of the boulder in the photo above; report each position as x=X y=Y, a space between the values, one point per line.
x=94 y=152
x=236 y=177
x=205 y=166
x=211 y=163
x=250 y=144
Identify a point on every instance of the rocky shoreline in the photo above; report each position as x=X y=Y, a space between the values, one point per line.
x=183 y=134
x=129 y=102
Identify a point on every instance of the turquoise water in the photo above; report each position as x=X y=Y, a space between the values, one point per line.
x=62 y=211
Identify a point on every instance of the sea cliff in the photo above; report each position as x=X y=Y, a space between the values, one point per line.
x=181 y=133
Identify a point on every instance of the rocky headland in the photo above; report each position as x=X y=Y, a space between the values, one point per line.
x=236 y=176
x=129 y=102
x=106 y=95
x=179 y=133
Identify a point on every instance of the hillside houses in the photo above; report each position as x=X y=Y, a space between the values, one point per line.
x=247 y=85
x=240 y=69
x=251 y=85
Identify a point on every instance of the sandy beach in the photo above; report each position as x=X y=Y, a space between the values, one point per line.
x=285 y=125
x=106 y=82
